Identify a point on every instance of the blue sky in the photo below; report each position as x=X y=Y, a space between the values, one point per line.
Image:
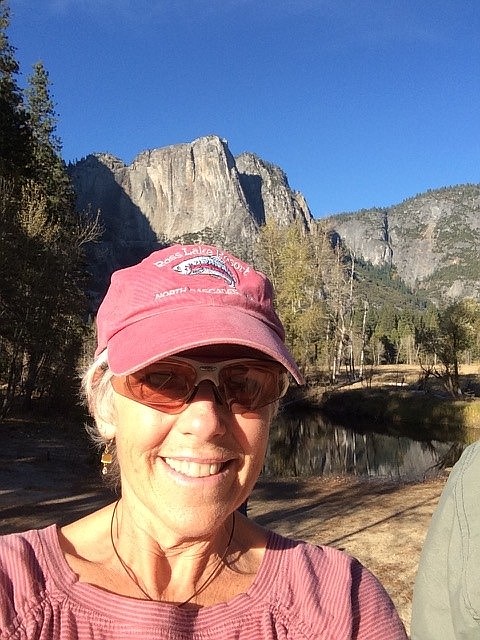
x=361 y=102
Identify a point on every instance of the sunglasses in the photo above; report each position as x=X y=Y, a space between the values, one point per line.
x=169 y=385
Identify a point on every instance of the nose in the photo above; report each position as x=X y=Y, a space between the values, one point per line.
x=206 y=389
x=204 y=415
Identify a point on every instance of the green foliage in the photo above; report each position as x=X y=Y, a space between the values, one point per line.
x=290 y=259
x=15 y=134
x=42 y=300
x=447 y=336
x=49 y=170
x=41 y=109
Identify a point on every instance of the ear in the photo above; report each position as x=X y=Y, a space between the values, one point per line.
x=103 y=416
x=106 y=429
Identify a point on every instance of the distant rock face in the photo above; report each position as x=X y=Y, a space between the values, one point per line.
x=179 y=191
x=432 y=240
x=198 y=190
x=268 y=192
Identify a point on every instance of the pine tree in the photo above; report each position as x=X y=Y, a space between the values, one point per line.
x=15 y=137
x=54 y=267
x=42 y=299
x=41 y=109
x=15 y=161
x=49 y=170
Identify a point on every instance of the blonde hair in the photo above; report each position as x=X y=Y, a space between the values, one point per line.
x=98 y=395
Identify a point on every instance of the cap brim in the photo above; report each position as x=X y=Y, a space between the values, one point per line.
x=170 y=332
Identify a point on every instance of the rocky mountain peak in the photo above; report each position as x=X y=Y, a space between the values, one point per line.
x=431 y=240
x=181 y=192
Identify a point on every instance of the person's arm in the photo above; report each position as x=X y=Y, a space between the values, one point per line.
x=446 y=597
x=374 y=614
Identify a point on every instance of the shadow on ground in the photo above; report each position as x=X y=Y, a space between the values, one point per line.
x=47 y=475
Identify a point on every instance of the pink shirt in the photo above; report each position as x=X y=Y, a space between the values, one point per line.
x=300 y=592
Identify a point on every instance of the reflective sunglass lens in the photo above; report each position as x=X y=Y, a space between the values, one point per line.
x=170 y=384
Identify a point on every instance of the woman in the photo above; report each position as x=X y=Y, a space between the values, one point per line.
x=188 y=372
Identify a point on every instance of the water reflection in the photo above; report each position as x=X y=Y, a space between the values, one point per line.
x=310 y=444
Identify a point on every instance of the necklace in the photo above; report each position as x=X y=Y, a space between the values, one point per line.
x=130 y=573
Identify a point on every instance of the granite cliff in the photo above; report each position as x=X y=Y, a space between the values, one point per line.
x=183 y=192
x=432 y=241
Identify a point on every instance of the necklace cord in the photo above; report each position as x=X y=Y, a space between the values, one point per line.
x=131 y=574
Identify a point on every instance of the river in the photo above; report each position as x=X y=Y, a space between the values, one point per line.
x=309 y=444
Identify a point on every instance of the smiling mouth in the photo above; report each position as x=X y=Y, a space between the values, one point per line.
x=194 y=469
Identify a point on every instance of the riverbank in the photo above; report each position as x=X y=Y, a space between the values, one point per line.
x=398 y=396
x=49 y=473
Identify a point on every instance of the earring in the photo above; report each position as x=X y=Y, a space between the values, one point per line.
x=106 y=458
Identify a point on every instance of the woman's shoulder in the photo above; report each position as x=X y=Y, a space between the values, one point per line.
x=22 y=552
x=23 y=572
x=318 y=556
x=317 y=578
x=25 y=557
x=323 y=566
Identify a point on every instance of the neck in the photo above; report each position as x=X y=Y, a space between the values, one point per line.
x=183 y=573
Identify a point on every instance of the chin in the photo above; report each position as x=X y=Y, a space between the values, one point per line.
x=201 y=523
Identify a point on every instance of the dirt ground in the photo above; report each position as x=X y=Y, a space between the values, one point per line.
x=50 y=475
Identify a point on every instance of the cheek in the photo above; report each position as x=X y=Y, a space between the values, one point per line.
x=255 y=441
x=263 y=431
x=253 y=435
x=139 y=428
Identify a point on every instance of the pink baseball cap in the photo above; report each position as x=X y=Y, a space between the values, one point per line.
x=188 y=296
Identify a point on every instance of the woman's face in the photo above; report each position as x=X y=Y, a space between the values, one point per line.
x=185 y=473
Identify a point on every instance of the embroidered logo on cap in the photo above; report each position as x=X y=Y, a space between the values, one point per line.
x=206 y=265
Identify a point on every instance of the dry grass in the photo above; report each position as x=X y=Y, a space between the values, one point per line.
x=410 y=375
